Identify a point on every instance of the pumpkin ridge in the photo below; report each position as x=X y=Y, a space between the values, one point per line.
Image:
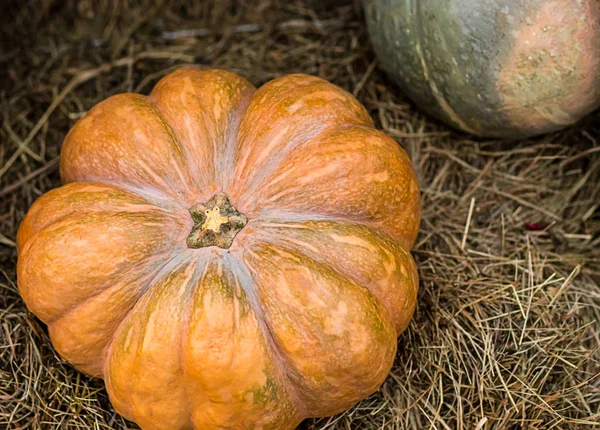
x=74 y=191
x=243 y=273
x=142 y=209
x=93 y=148
x=382 y=328
x=225 y=164
x=206 y=128
x=287 y=245
x=280 y=99
x=113 y=283
x=191 y=169
x=281 y=157
x=153 y=195
x=277 y=215
x=258 y=179
x=171 y=264
x=267 y=235
x=48 y=238
x=163 y=121
x=195 y=282
x=243 y=162
x=353 y=171
x=180 y=264
x=217 y=287
x=87 y=301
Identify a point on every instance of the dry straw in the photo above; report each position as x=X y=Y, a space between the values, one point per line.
x=506 y=334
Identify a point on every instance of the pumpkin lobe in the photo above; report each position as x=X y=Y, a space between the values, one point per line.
x=216 y=223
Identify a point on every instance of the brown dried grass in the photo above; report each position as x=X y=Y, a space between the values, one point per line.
x=506 y=334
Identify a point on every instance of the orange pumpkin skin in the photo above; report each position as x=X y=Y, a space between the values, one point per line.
x=297 y=318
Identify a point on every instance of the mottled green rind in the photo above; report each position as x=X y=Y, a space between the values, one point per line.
x=447 y=55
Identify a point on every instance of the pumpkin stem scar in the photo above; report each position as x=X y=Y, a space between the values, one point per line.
x=216 y=223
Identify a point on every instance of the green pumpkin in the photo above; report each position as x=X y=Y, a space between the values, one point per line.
x=496 y=68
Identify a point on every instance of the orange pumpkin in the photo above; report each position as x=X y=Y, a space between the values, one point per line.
x=226 y=257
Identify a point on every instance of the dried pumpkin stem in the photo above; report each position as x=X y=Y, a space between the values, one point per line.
x=216 y=223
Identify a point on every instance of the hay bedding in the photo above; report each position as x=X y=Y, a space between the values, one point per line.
x=506 y=334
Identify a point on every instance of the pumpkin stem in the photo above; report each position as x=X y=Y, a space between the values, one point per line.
x=216 y=223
